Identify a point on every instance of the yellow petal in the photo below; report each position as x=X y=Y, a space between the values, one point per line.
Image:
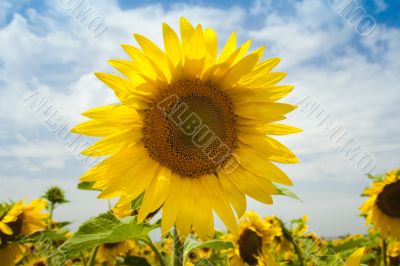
x=172 y=205
x=155 y=54
x=270 y=129
x=133 y=182
x=112 y=114
x=243 y=67
x=355 y=258
x=264 y=81
x=262 y=69
x=228 y=49
x=196 y=48
x=186 y=210
x=259 y=95
x=187 y=31
x=235 y=196
x=172 y=45
x=272 y=149
x=256 y=187
x=124 y=90
x=156 y=193
x=211 y=42
x=261 y=167
x=5 y=229
x=203 y=221
x=144 y=65
x=219 y=201
x=264 y=111
x=94 y=128
x=114 y=143
x=125 y=67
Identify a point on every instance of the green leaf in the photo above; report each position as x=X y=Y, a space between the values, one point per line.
x=87 y=186
x=105 y=228
x=352 y=244
x=61 y=224
x=192 y=244
x=288 y=193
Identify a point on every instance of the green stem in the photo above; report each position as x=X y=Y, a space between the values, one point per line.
x=296 y=247
x=298 y=251
x=157 y=252
x=92 y=260
x=384 y=251
x=83 y=259
x=177 y=256
x=51 y=209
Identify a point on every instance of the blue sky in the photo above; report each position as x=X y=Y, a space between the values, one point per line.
x=354 y=78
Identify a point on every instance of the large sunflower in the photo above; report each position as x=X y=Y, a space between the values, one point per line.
x=382 y=208
x=191 y=130
x=17 y=220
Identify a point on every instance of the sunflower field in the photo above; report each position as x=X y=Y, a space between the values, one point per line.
x=29 y=236
x=193 y=135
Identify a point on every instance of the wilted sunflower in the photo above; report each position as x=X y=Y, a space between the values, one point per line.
x=382 y=208
x=252 y=239
x=17 y=220
x=191 y=131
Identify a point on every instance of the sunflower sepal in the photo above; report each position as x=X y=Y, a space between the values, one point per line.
x=287 y=192
x=87 y=185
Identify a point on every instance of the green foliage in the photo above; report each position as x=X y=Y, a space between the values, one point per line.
x=102 y=229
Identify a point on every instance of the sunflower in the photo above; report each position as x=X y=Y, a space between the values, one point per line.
x=110 y=251
x=382 y=208
x=18 y=220
x=253 y=237
x=394 y=252
x=192 y=130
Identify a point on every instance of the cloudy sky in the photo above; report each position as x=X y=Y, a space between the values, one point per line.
x=349 y=68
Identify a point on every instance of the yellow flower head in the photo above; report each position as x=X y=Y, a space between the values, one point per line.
x=20 y=220
x=382 y=208
x=110 y=251
x=192 y=130
x=253 y=236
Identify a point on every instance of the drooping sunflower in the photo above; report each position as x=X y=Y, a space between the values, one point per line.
x=192 y=130
x=251 y=241
x=382 y=208
x=16 y=220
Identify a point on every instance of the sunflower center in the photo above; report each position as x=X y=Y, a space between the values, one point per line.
x=250 y=246
x=16 y=227
x=191 y=128
x=110 y=245
x=389 y=200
